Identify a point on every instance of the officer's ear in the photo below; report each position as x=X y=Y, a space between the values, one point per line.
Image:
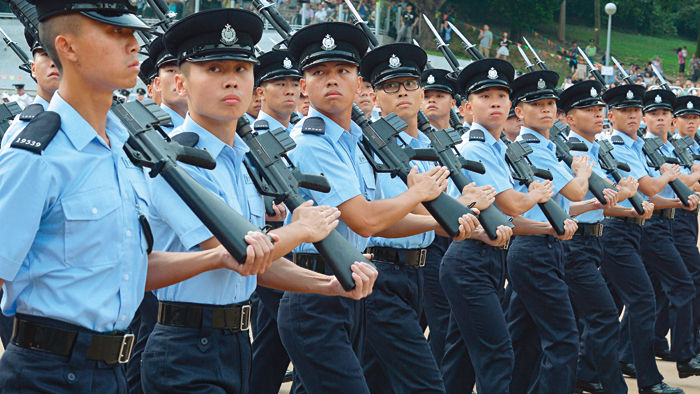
x=33 y=66
x=260 y=92
x=180 y=85
x=359 y=85
x=519 y=111
x=302 y=86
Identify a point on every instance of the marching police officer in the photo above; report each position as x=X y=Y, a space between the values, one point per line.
x=166 y=69
x=277 y=80
x=148 y=75
x=439 y=98
x=511 y=128
x=365 y=99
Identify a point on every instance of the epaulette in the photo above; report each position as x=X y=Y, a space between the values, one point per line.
x=30 y=112
x=530 y=138
x=37 y=135
x=574 y=139
x=314 y=125
x=186 y=139
x=617 y=140
x=477 y=135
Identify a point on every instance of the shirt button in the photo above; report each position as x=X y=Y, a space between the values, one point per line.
x=123 y=317
x=94 y=211
x=126 y=276
x=128 y=233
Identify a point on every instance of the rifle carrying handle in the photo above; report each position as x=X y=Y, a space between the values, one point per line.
x=196 y=157
x=314 y=182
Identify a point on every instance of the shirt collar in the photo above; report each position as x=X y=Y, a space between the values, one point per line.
x=421 y=140
x=174 y=116
x=544 y=141
x=593 y=148
x=333 y=130
x=274 y=123
x=629 y=141
x=40 y=100
x=488 y=137
x=208 y=140
x=79 y=131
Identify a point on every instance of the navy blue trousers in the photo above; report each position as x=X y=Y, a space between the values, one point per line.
x=594 y=305
x=31 y=371
x=5 y=326
x=540 y=317
x=622 y=266
x=435 y=306
x=324 y=338
x=144 y=320
x=270 y=359
x=397 y=357
x=665 y=265
x=188 y=360
x=478 y=348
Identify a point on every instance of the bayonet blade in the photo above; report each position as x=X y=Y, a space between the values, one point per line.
x=619 y=67
x=528 y=63
x=432 y=29
x=658 y=75
x=354 y=12
x=459 y=34
x=534 y=52
x=583 y=54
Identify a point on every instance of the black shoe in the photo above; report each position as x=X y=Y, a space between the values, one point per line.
x=629 y=369
x=661 y=388
x=588 y=387
x=688 y=368
x=664 y=355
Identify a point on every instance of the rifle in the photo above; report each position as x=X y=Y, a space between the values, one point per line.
x=528 y=64
x=681 y=148
x=625 y=76
x=591 y=68
x=274 y=175
x=165 y=16
x=26 y=65
x=468 y=46
x=270 y=13
x=540 y=62
x=149 y=146
x=8 y=111
x=610 y=165
x=525 y=172
x=442 y=46
x=651 y=149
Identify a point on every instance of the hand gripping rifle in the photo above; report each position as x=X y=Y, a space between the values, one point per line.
x=610 y=165
x=652 y=148
x=274 y=175
x=149 y=146
x=445 y=141
x=525 y=172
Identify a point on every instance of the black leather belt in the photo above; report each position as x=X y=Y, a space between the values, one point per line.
x=410 y=257
x=637 y=221
x=668 y=213
x=111 y=348
x=589 y=229
x=229 y=317
x=310 y=261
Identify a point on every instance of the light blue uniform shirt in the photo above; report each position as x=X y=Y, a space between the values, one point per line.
x=592 y=149
x=73 y=248
x=177 y=229
x=388 y=187
x=274 y=123
x=544 y=156
x=18 y=124
x=666 y=150
x=176 y=119
x=492 y=153
x=337 y=156
x=250 y=118
x=630 y=152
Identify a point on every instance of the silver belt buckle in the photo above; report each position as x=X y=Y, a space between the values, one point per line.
x=506 y=245
x=245 y=317
x=421 y=258
x=126 y=348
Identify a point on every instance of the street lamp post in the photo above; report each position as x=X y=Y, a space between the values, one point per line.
x=610 y=9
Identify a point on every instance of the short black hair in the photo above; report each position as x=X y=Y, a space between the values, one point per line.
x=52 y=28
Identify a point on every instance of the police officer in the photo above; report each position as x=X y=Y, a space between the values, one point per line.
x=44 y=71
x=622 y=233
x=148 y=75
x=397 y=356
x=254 y=108
x=21 y=97
x=365 y=99
x=303 y=105
x=140 y=94
x=659 y=254
x=201 y=341
x=75 y=264
x=541 y=320
x=277 y=77
x=511 y=128
x=472 y=274
x=590 y=296
x=167 y=68
x=439 y=99
x=319 y=331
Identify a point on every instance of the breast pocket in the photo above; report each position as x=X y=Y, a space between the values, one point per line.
x=368 y=178
x=256 y=204
x=92 y=228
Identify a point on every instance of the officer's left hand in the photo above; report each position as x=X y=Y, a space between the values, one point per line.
x=693 y=201
x=483 y=196
x=610 y=196
x=467 y=224
x=628 y=187
x=570 y=227
x=258 y=255
x=364 y=276
x=695 y=168
x=503 y=234
x=581 y=166
x=280 y=213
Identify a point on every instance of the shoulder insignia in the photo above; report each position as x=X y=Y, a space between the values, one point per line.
x=38 y=133
x=617 y=140
x=477 y=135
x=186 y=139
x=530 y=138
x=313 y=125
x=30 y=112
x=574 y=139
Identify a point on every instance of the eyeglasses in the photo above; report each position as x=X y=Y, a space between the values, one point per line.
x=393 y=87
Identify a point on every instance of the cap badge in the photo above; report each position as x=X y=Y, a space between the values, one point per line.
x=689 y=105
x=540 y=84
x=287 y=63
x=431 y=79
x=394 y=61
x=493 y=74
x=328 y=43
x=630 y=95
x=228 y=35
x=657 y=99
x=594 y=93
